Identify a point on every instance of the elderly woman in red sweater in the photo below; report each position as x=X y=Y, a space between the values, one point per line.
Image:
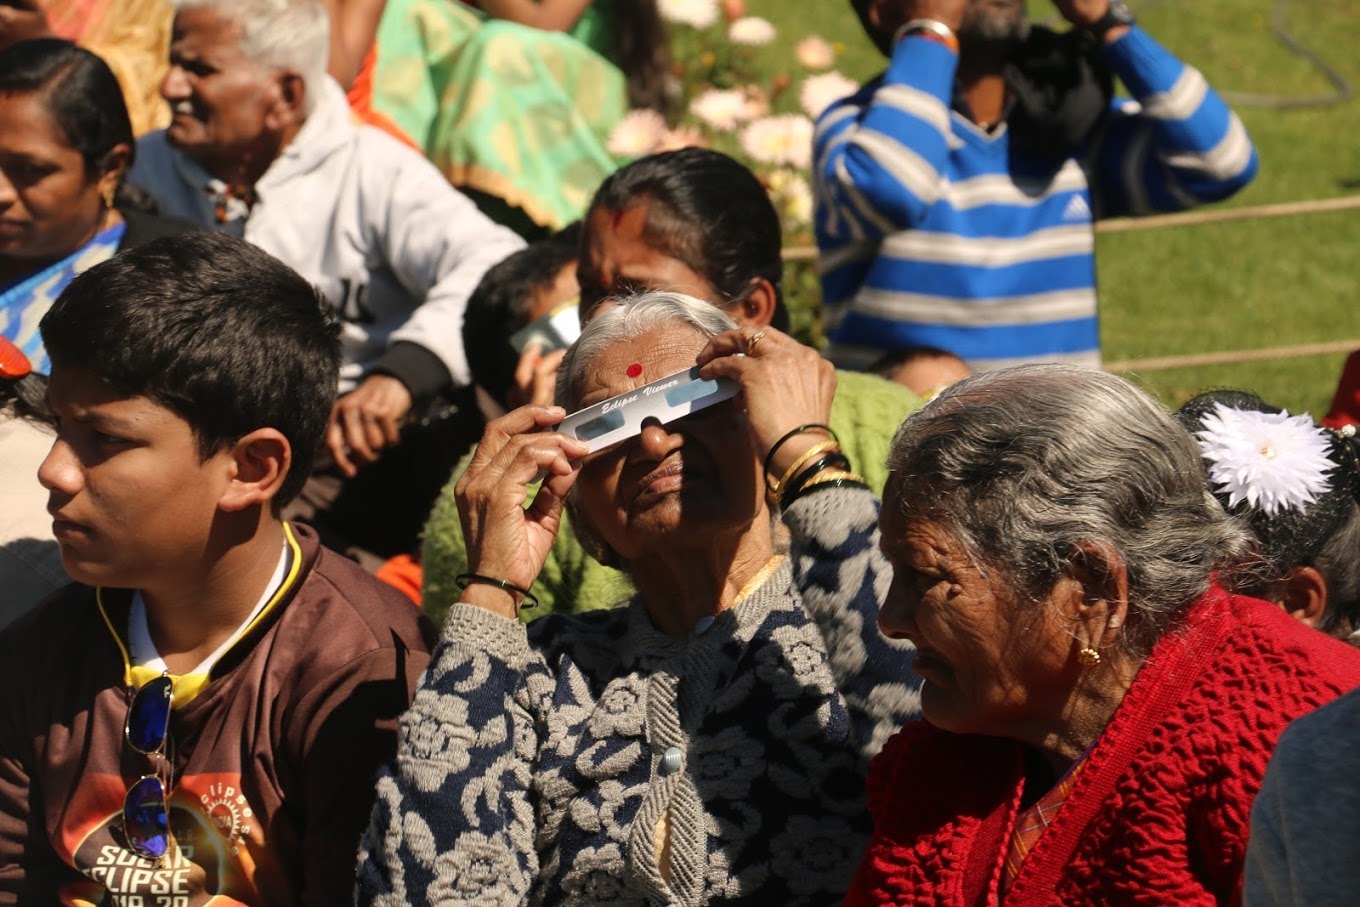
x=1098 y=712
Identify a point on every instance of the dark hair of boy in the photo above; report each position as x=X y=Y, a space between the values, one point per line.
x=887 y=365
x=222 y=334
x=708 y=211
x=503 y=303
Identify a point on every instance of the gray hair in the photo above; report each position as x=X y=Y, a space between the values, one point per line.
x=630 y=318
x=1025 y=464
x=279 y=34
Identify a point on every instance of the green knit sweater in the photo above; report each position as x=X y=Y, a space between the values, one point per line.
x=865 y=414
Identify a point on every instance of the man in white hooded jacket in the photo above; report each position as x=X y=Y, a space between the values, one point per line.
x=263 y=145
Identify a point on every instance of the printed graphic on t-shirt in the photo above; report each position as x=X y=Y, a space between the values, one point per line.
x=215 y=837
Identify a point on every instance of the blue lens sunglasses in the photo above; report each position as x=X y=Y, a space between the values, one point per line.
x=146 y=817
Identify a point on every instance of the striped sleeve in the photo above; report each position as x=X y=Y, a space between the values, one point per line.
x=1176 y=145
x=878 y=155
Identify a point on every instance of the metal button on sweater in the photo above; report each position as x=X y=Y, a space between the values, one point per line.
x=671 y=760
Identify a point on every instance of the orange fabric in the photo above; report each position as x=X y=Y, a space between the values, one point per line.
x=1345 y=409
x=404 y=574
x=360 y=96
x=71 y=19
x=133 y=37
x=1030 y=824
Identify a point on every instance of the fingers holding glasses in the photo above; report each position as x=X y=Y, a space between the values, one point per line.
x=504 y=539
x=784 y=383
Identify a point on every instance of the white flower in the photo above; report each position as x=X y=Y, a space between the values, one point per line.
x=638 y=133
x=779 y=140
x=815 y=52
x=681 y=137
x=694 y=13
x=757 y=104
x=820 y=92
x=1271 y=461
x=751 y=31
x=720 y=109
x=792 y=196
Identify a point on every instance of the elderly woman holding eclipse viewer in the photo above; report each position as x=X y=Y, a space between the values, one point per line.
x=705 y=744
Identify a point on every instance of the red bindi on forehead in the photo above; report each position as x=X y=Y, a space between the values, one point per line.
x=634 y=370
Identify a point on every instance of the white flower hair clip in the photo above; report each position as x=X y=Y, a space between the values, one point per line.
x=1272 y=461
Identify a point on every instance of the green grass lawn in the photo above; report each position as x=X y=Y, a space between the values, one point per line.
x=1245 y=285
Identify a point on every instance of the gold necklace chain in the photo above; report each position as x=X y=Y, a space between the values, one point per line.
x=756 y=581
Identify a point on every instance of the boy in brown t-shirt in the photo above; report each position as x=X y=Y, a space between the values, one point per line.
x=201 y=714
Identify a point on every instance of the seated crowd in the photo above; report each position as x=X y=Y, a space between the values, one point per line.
x=370 y=533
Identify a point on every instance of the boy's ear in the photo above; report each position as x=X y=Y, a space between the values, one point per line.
x=260 y=464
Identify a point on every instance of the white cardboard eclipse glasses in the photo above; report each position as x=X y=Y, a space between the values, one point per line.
x=665 y=400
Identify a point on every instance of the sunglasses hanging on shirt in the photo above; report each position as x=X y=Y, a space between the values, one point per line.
x=146 y=816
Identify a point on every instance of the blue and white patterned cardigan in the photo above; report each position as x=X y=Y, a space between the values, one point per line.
x=535 y=767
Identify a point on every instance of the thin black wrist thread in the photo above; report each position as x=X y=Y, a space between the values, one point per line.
x=463 y=580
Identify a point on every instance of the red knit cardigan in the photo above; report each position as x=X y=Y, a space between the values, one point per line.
x=1159 y=814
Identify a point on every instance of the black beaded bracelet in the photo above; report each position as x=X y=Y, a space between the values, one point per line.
x=463 y=580
x=769 y=457
x=846 y=480
x=795 y=487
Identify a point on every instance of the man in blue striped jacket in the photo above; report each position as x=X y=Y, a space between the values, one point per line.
x=956 y=192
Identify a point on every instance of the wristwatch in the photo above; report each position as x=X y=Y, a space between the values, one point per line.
x=1118 y=14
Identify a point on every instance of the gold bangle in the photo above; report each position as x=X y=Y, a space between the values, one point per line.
x=799 y=463
x=833 y=475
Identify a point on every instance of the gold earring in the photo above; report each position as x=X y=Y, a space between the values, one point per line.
x=108 y=194
x=1088 y=657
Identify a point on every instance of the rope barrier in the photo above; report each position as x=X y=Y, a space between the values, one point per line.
x=1196 y=218
x=1232 y=357
x=1342 y=90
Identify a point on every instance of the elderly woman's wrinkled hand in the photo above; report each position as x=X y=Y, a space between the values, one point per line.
x=506 y=540
x=784 y=384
